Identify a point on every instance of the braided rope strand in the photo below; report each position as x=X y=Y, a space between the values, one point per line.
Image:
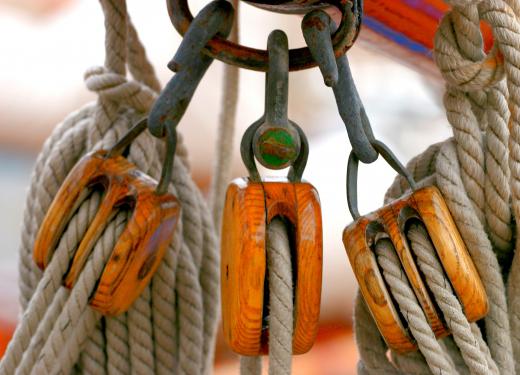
x=441 y=289
x=394 y=276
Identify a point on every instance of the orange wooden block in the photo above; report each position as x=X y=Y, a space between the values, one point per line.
x=427 y=206
x=249 y=207
x=141 y=246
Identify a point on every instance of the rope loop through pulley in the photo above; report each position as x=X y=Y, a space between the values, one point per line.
x=252 y=204
x=112 y=240
x=141 y=248
x=391 y=222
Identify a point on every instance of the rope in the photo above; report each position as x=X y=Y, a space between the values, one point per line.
x=410 y=308
x=226 y=130
x=467 y=336
x=280 y=298
x=171 y=327
x=250 y=365
x=280 y=318
x=477 y=172
x=277 y=246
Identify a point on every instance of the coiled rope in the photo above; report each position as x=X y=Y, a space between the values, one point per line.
x=478 y=173
x=171 y=327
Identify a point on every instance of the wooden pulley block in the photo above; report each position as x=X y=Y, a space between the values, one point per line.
x=427 y=206
x=249 y=208
x=252 y=203
x=140 y=248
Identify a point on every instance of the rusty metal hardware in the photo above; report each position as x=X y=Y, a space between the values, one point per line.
x=289 y=6
x=190 y=65
x=317 y=27
x=255 y=59
x=140 y=248
x=251 y=204
x=274 y=140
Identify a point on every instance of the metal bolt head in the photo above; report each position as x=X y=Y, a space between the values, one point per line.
x=276 y=147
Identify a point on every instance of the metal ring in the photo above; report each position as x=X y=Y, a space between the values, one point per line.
x=352 y=172
x=288 y=6
x=256 y=59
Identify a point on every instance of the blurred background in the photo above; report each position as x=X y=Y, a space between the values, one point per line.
x=45 y=47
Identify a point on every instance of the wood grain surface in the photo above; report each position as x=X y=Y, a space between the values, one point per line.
x=140 y=248
x=427 y=206
x=249 y=207
x=452 y=252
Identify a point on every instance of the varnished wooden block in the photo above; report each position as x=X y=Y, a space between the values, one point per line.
x=141 y=246
x=427 y=206
x=249 y=207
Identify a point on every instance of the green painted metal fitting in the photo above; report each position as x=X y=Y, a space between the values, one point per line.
x=276 y=147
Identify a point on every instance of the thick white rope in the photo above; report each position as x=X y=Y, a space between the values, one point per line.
x=250 y=365
x=280 y=304
x=473 y=173
x=467 y=335
x=503 y=18
x=497 y=191
x=280 y=298
x=226 y=131
x=412 y=312
x=180 y=303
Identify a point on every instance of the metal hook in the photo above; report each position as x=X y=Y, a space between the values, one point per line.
x=171 y=142
x=317 y=27
x=190 y=65
x=121 y=145
x=276 y=142
x=352 y=172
